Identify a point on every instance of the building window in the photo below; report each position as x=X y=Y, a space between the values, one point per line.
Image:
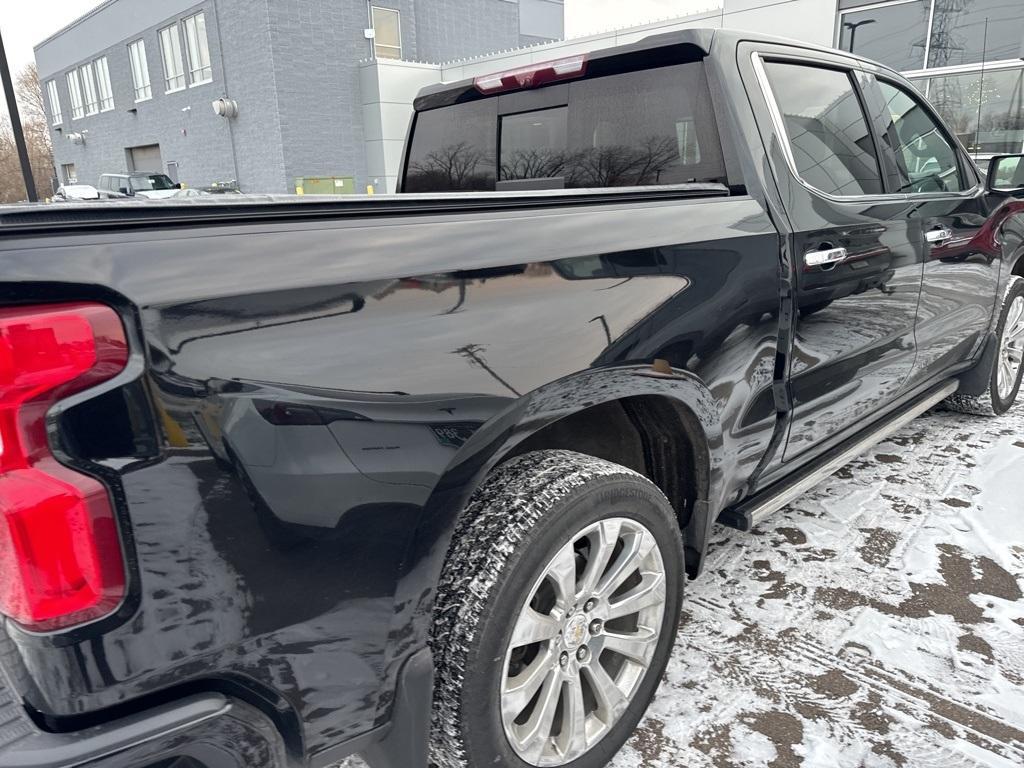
x=51 y=90
x=106 y=94
x=828 y=134
x=92 y=104
x=140 y=70
x=985 y=111
x=387 y=30
x=170 y=50
x=894 y=35
x=77 y=110
x=199 y=70
x=902 y=33
x=68 y=173
x=976 y=32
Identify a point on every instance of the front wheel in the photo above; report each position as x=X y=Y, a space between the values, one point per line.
x=1008 y=368
x=555 y=616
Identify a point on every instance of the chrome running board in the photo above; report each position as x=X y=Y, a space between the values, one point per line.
x=754 y=510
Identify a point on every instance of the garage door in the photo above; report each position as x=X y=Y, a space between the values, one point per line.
x=145 y=159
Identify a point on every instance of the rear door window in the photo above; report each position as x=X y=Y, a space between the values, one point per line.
x=647 y=127
x=828 y=134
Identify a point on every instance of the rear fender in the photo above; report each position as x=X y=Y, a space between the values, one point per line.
x=498 y=439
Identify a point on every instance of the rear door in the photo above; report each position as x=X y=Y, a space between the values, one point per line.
x=857 y=274
x=947 y=212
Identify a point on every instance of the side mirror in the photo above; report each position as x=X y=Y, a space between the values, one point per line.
x=1006 y=175
x=178 y=185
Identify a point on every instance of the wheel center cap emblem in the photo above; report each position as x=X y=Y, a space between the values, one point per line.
x=575 y=631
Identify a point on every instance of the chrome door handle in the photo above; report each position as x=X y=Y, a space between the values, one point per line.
x=938 y=236
x=828 y=257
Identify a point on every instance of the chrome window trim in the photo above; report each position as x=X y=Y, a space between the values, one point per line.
x=779 y=126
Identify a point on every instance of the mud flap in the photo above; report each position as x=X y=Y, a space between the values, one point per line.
x=976 y=381
x=405 y=744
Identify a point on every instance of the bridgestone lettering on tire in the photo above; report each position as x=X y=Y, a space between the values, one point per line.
x=543 y=526
x=1008 y=366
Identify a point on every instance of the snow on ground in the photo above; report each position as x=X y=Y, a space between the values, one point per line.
x=877 y=621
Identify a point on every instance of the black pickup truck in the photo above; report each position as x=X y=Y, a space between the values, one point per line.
x=422 y=477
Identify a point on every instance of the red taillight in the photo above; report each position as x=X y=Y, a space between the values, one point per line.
x=532 y=76
x=60 y=554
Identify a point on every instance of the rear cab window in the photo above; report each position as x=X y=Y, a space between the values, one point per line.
x=634 y=128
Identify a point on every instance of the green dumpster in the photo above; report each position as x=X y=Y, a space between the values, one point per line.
x=325 y=185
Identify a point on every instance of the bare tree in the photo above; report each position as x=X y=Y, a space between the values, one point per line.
x=29 y=93
x=456 y=167
x=625 y=165
x=534 y=164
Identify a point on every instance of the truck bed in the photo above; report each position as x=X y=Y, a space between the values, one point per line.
x=305 y=375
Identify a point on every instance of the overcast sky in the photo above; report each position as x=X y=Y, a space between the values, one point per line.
x=584 y=17
x=23 y=25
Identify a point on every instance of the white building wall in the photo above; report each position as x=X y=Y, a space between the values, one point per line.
x=388 y=90
x=811 y=21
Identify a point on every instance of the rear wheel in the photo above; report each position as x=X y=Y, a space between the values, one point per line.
x=1008 y=366
x=556 y=614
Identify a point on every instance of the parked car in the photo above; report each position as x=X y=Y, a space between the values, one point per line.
x=76 y=192
x=420 y=478
x=223 y=188
x=188 y=193
x=155 y=186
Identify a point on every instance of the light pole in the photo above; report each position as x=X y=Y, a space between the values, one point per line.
x=19 y=135
x=852 y=26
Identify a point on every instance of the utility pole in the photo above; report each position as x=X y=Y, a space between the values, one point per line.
x=19 y=136
x=981 y=89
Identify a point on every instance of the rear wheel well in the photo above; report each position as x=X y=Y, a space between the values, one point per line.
x=650 y=434
x=1018 y=267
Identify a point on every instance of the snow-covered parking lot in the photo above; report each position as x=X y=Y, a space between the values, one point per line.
x=877 y=621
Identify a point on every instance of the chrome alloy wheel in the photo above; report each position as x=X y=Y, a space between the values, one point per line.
x=583 y=642
x=1011 y=349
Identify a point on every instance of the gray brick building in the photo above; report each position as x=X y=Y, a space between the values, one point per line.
x=131 y=85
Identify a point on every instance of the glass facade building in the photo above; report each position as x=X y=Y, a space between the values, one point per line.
x=964 y=55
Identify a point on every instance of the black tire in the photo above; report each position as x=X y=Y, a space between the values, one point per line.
x=990 y=403
x=514 y=524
